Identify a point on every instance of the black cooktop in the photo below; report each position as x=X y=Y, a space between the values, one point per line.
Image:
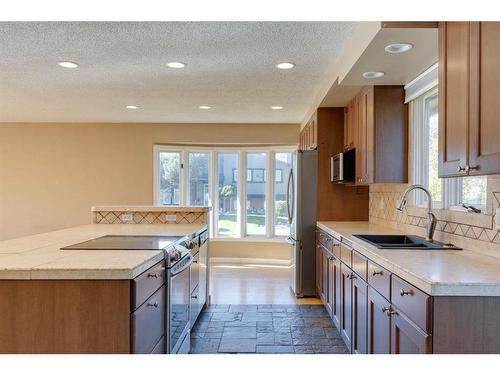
x=125 y=243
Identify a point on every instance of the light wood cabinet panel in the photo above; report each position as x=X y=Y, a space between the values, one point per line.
x=484 y=143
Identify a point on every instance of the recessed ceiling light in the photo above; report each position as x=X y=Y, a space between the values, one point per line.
x=373 y=74
x=285 y=65
x=68 y=64
x=176 y=65
x=398 y=47
x=132 y=107
x=276 y=107
x=205 y=107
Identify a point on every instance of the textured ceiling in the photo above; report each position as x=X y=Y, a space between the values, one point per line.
x=230 y=66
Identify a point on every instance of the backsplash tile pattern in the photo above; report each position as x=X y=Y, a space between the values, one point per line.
x=384 y=198
x=138 y=217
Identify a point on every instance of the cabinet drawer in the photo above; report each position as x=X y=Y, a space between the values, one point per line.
x=414 y=303
x=147 y=283
x=346 y=254
x=159 y=347
x=380 y=279
x=359 y=264
x=148 y=323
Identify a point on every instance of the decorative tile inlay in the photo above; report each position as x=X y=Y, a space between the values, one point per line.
x=384 y=199
x=156 y=217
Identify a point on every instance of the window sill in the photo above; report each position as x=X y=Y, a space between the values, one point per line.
x=249 y=239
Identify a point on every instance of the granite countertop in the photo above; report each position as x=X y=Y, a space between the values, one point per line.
x=39 y=256
x=436 y=272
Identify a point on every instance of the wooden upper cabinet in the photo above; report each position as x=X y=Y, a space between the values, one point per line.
x=308 y=139
x=469 y=98
x=377 y=123
x=484 y=140
x=453 y=97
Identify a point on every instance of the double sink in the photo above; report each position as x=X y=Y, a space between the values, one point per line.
x=403 y=242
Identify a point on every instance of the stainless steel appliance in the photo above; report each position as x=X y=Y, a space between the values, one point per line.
x=301 y=209
x=343 y=166
x=178 y=259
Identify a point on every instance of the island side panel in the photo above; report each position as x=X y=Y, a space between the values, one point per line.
x=65 y=316
x=466 y=325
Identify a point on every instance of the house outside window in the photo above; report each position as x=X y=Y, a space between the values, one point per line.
x=210 y=176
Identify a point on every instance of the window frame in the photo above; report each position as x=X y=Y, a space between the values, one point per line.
x=213 y=152
x=451 y=188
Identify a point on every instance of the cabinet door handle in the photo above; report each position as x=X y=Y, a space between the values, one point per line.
x=194 y=297
x=375 y=273
x=470 y=168
x=461 y=169
x=154 y=304
x=153 y=275
x=403 y=292
x=385 y=309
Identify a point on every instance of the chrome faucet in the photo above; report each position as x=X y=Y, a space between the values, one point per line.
x=431 y=221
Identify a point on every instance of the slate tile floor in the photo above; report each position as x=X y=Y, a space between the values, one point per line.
x=272 y=329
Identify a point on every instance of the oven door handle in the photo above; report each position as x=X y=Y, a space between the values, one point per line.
x=176 y=271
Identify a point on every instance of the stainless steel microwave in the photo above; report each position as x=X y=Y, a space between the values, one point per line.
x=343 y=166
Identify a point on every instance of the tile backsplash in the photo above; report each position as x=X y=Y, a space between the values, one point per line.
x=151 y=217
x=452 y=226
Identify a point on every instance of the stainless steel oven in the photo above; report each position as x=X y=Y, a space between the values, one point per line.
x=178 y=311
x=343 y=166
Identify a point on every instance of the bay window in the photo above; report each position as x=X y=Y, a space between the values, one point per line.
x=252 y=206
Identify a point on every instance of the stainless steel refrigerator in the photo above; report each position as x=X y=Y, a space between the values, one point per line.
x=301 y=210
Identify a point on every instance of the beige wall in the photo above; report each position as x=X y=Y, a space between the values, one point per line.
x=51 y=174
x=250 y=249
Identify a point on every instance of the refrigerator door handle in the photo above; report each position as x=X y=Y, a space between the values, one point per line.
x=288 y=208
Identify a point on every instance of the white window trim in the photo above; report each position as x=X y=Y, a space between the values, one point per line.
x=213 y=152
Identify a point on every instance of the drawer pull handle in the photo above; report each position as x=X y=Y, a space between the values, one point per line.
x=195 y=261
x=153 y=275
x=375 y=273
x=403 y=292
x=194 y=297
x=385 y=309
x=154 y=304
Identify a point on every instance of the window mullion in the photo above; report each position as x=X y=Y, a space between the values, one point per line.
x=270 y=194
x=184 y=177
x=213 y=188
x=242 y=178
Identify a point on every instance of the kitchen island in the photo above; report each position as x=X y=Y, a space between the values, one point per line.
x=77 y=301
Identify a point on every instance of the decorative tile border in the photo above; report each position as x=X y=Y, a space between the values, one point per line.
x=384 y=198
x=155 y=217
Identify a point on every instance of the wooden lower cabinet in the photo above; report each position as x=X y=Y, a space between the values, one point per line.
x=407 y=338
x=319 y=270
x=324 y=274
x=359 y=315
x=377 y=312
x=336 y=292
x=378 y=323
x=346 y=304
